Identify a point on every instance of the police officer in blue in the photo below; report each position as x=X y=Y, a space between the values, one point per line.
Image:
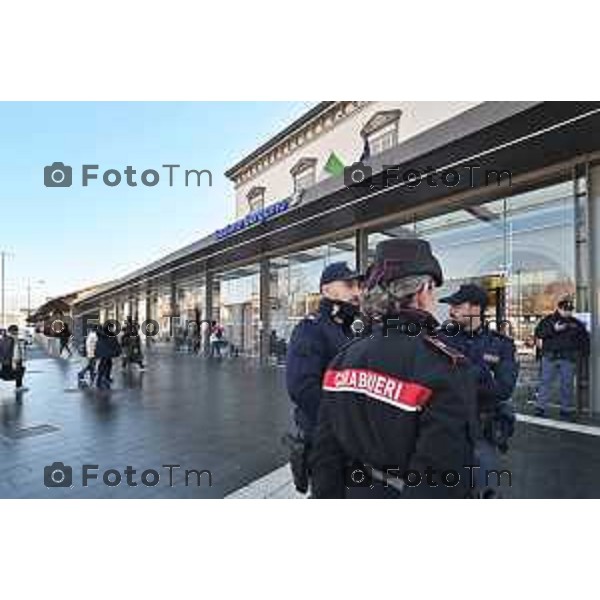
x=565 y=346
x=314 y=343
x=492 y=357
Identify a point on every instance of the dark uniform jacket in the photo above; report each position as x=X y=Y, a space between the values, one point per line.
x=313 y=344
x=570 y=343
x=493 y=359
x=107 y=346
x=397 y=402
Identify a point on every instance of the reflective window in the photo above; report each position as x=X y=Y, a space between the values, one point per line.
x=383 y=140
x=521 y=249
x=256 y=198
x=295 y=283
x=190 y=300
x=163 y=312
x=304 y=179
x=238 y=301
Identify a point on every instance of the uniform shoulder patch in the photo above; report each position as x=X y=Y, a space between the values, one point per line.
x=453 y=354
x=406 y=395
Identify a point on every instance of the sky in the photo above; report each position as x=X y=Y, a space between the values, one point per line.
x=65 y=238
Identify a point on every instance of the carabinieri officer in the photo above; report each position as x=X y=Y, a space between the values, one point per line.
x=397 y=416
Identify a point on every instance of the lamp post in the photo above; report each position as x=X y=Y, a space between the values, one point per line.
x=2 y=314
x=3 y=255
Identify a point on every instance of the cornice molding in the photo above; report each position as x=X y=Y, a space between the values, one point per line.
x=296 y=139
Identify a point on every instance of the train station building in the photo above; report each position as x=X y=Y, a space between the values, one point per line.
x=508 y=194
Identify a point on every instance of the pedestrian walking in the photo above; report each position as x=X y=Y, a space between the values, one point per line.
x=131 y=346
x=65 y=337
x=397 y=417
x=313 y=344
x=12 y=358
x=565 y=345
x=91 y=341
x=107 y=348
x=216 y=339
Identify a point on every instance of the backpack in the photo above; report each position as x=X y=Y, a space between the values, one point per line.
x=7 y=346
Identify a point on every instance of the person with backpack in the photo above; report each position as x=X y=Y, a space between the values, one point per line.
x=12 y=358
x=131 y=346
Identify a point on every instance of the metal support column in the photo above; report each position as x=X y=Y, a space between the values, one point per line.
x=264 y=327
x=582 y=273
x=593 y=186
x=208 y=310
x=173 y=309
x=148 y=300
x=362 y=250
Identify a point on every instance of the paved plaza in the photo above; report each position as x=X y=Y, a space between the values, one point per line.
x=223 y=416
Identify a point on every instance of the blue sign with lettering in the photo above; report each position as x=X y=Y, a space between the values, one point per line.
x=258 y=216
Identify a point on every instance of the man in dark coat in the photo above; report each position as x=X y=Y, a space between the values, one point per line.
x=12 y=358
x=107 y=348
x=65 y=337
x=314 y=342
x=565 y=344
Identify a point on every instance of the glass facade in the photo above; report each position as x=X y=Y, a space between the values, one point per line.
x=294 y=283
x=164 y=312
x=525 y=249
x=238 y=313
x=190 y=300
x=521 y=249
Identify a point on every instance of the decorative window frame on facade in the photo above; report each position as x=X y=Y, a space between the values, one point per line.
x=256 y=198
x=381 y=131
x=304 y=173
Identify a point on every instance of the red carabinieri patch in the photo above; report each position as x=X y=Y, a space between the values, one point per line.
x=406 y=395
